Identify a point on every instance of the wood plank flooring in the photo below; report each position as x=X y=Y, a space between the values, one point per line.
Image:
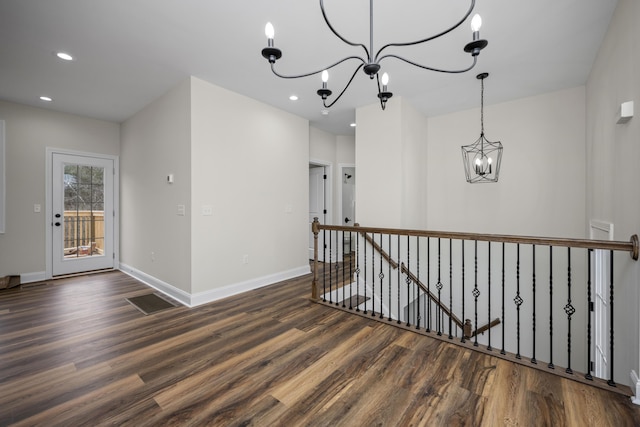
x=74 y=352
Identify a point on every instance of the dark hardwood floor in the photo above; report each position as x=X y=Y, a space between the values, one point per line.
x=74 y=352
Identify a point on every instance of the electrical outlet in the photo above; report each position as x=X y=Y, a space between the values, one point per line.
x=37 y=208
x=245 y=259
x=153 y=257
x=207 y=210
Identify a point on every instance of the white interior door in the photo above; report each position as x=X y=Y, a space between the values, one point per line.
x=82 y=209
x=600 y=278
x=316 y=207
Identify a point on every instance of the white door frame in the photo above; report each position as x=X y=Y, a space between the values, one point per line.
x=50 y=151
x=596 y=231
x=328 y=191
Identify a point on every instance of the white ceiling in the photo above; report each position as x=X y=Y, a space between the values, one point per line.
x=129 y=52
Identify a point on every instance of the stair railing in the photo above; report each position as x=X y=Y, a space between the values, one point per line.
x=394 y=275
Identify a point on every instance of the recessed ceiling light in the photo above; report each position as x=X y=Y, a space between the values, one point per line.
x=46 y=98
x=293 y=97
x=352 y=125
x=65 y=56
x=324 y=112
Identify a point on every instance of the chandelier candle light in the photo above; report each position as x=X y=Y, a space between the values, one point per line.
x=370 y=63
x=482 y=158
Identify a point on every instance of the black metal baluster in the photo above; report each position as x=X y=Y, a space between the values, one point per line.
x=611 y=382
x=364 y=269
x=373 y=277
x=550 y=365
x=350 y=272
x=463 y=294
x=476 y=292
x=324 y=266
x=450 y=287
x=503 y=351
x=569 y=310
x=439 y=286
x=390 y=257
x=408 y=278
x=589 y=310
x=344 y=269
x=428 y=322
x=533 y=357
x=399 y=281
x=337 y=267
x=489 y=295
x=518 y=300
x=330 y=267
x=361 y=236
x=381 y=277
x=417 y=287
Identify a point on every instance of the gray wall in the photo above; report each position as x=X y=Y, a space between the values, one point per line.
x=29 y=131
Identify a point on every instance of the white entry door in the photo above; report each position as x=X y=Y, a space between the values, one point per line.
x=82 y=209
x=316 y=207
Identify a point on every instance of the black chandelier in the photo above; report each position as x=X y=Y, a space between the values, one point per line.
x=371 y=63
x=482 y=158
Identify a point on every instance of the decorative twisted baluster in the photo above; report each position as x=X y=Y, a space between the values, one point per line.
x=389 y=319
x=365 y=279
x=417 y=288
x=476 y=292
x=408 y=279
x=428 y=328
x=518 y=300
x=569 y=310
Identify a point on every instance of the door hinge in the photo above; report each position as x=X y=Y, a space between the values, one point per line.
x=324 y=211
x=114 y=255
x=591 y=308
x=324 y=176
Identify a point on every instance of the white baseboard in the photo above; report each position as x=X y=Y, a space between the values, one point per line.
x=635 y=381
x=237 y=288
x=38 y=276
x=165 y=288
x=193 y=300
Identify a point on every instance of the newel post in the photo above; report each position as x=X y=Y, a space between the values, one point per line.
x=314 y=283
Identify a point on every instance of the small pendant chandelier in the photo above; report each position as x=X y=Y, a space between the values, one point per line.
x=482 y=158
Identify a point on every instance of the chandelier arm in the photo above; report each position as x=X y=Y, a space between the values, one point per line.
x=464 y=18
x=297 y=76
x=439 y=70
x=326 y=20
x=345 y=88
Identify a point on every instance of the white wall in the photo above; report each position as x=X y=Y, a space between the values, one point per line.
x=28 y=132
x=613 y=156
x=250 y=164
x=541 y=190
x=156 y=143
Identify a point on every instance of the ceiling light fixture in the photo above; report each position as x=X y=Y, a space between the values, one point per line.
x=370 y=63
x=46 y=98
x=65 y=56
x=482 y=158
x=293 y=97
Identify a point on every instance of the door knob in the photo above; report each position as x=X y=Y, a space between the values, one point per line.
x=57 y=215
x=57 y=224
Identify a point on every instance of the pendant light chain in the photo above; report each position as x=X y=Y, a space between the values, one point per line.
x=482 y=106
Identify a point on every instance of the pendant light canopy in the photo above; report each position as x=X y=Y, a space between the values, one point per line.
x=482 y=158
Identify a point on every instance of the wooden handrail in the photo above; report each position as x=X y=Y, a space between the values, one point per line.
x=632 y=246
